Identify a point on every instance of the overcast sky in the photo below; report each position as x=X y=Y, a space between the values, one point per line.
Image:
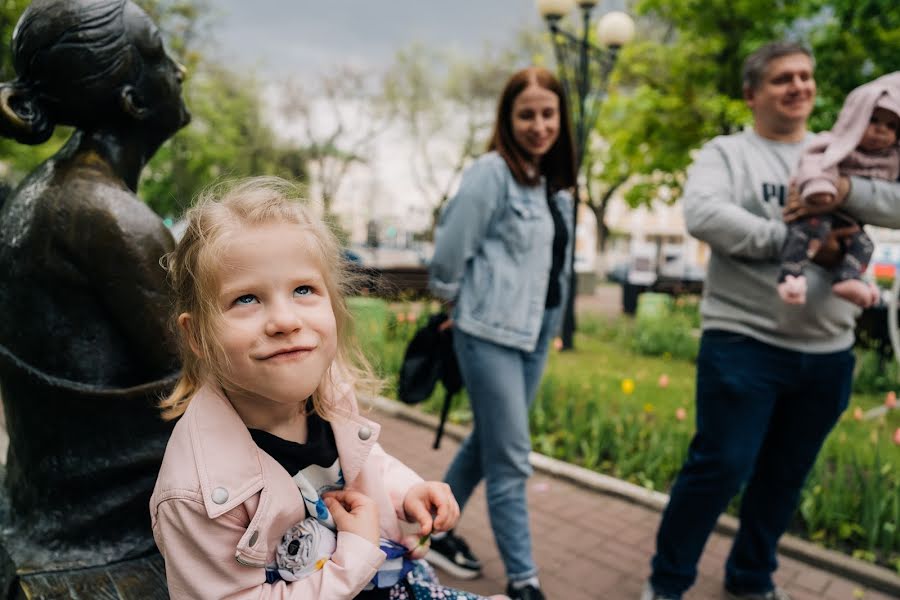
x=307 y=36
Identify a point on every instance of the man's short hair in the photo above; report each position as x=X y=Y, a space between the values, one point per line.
x=755 y=64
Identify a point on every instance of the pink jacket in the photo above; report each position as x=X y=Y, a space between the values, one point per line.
x=221 y=505
x=834 y=152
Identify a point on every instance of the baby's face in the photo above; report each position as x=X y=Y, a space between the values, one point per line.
x=881 y=132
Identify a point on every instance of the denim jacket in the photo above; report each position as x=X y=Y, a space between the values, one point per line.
x=493 y=253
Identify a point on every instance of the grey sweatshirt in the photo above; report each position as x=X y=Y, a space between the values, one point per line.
x=733 y=198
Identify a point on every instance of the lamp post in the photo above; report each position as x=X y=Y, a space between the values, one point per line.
x=583 y=69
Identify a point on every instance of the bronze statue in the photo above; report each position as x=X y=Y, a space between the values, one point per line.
x=85 y=346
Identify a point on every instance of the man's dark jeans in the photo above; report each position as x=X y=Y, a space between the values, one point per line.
x=762 y=415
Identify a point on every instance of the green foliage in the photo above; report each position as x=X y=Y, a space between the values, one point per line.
x=875 y=372
x=671 y=329
x=854 y=42
x=226 y=138
x=679 y=84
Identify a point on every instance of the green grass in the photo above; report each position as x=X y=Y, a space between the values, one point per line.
x=603 y=406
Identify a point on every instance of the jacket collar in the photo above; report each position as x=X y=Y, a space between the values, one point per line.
x=229 y=463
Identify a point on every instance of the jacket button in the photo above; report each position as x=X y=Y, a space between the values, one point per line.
x=364 y=433
x=220 y=495
x=254 y=537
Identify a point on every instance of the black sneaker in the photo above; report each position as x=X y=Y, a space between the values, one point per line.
x=452 y=554
x=527 y=592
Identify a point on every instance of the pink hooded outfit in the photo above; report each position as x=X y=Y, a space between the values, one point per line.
x=835 y=153
x=221 y=505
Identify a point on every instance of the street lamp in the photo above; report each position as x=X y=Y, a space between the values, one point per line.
x=584 y=70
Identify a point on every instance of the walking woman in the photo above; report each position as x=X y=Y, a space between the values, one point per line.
x=503 y=262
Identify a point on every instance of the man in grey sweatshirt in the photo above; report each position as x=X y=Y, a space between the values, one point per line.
x=772 y=378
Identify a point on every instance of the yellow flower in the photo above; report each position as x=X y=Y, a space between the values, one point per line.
x=628 y=386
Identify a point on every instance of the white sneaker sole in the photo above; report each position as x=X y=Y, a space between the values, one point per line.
x=443 y=563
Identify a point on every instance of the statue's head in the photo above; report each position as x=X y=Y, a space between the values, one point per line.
x=91 y=64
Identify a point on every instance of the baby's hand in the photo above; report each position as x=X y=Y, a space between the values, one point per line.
x=821 y=200
x=431 y=498
x=354 y=512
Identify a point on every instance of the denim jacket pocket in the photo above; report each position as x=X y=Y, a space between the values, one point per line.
x=517 y=228
x=482 y=285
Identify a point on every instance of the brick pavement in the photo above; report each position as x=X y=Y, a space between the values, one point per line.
x=589 y=546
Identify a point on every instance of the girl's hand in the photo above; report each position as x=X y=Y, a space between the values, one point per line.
x=354 y=512
x=431 y=498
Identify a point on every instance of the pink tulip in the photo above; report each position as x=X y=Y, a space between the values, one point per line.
x=410 y=317
x=890 y=400
x=401 y=317
x=680 y=413
x=897 y=436
x=557 y=344
x=663 y=381
x=858 y=413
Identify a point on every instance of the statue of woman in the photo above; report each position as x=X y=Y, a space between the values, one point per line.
x=85 y=348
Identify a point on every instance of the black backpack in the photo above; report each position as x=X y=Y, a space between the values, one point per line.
x=429 y=358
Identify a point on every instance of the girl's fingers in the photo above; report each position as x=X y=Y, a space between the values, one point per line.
x=338 y=513
x=350 y=500
x=419 y=513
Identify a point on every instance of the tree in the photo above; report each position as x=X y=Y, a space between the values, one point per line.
x=227 y=136
x=336 y=121
x=853 y=42
x=675 y=89
x=446 y=106
x=681 y=85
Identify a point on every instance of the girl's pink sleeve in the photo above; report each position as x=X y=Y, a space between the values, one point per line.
x=200 y=560
x=397 y=477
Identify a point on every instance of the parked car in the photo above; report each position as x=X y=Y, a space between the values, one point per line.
x=657 y=268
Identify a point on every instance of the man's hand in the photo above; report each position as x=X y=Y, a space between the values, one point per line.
x=817 y=204
x=431 y=498
x=830 y=253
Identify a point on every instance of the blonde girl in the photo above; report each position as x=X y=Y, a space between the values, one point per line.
x=273 y=485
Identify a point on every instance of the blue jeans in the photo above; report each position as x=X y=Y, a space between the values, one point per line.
x=501 y=383
x=763 y=413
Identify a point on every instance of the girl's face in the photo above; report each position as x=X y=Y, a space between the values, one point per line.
x=277 y=326
x=535 y=120
x=881 y=132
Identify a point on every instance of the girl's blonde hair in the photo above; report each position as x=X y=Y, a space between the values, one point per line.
x=193 y=270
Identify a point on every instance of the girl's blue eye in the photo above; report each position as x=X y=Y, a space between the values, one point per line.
x=303 y=290
x=246 y=299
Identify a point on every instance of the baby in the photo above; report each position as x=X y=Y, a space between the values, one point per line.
x=863 y=142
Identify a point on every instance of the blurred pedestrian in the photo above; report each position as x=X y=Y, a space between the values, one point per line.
x=503 y=261
x=772 y=378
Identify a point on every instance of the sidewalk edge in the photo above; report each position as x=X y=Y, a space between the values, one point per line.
x=867 y=574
